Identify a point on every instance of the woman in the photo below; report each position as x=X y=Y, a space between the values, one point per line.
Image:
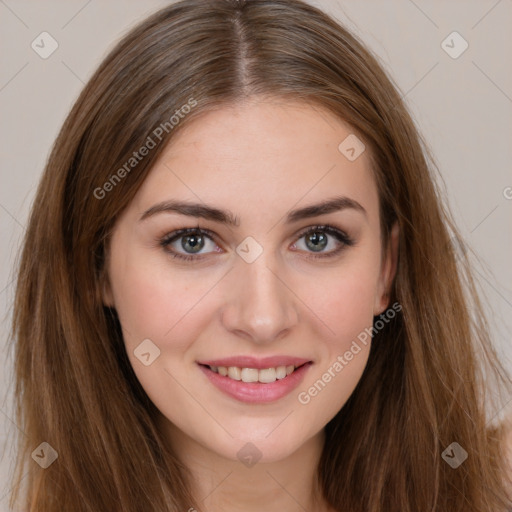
x=238 y=289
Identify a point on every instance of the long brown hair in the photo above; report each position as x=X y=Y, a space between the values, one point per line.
x=425 y=384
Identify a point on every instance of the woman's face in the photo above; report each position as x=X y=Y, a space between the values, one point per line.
x=267 y=291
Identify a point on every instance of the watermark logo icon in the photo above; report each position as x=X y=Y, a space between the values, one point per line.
x=45 y=455
x=454 y=45
x=454 y=455
x=249 y=455
x=352 y=147
x=147 y=352
x=44 y=45
x=249 y=250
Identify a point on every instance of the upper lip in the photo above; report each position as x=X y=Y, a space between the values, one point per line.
x=258 y=363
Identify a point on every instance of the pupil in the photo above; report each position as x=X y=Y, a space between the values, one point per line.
x=319 y=241
x=193 y=243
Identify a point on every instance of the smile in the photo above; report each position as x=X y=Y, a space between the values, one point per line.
x=256 y=385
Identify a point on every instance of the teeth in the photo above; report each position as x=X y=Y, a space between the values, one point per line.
x=234 y=373
x=250 y=375
x=265 y=376
x=281 y=372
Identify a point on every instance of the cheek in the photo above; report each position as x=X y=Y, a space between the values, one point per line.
x=344 y=302
x=343 y=299
x=161 y=305
x=152 y=299
x=344 y=352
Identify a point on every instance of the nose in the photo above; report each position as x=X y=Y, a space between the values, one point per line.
x=259 y=306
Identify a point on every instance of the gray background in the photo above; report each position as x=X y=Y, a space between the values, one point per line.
x=463 y=107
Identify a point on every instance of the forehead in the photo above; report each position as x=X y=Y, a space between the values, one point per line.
x=263 y=156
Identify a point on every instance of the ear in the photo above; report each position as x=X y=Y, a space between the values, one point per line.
x=388 y=270
x=107 y=296
x=106 y=292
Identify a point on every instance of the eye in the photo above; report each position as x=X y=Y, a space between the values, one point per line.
x=317 y=238
x=190 y=240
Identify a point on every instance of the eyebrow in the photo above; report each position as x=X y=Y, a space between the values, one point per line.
x=226 y=217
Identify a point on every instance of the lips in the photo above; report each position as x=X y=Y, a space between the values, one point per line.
x=253 y=380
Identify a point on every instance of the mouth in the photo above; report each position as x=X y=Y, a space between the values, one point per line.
x=256 y=381
x=252 y=375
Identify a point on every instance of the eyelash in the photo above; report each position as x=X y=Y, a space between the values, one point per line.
x=342 y=237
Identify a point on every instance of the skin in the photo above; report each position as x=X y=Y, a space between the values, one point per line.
x=259 y=159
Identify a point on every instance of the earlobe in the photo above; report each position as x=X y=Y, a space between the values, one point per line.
x=388 y=270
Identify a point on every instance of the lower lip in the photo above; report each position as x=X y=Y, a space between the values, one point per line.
x=257 y=392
